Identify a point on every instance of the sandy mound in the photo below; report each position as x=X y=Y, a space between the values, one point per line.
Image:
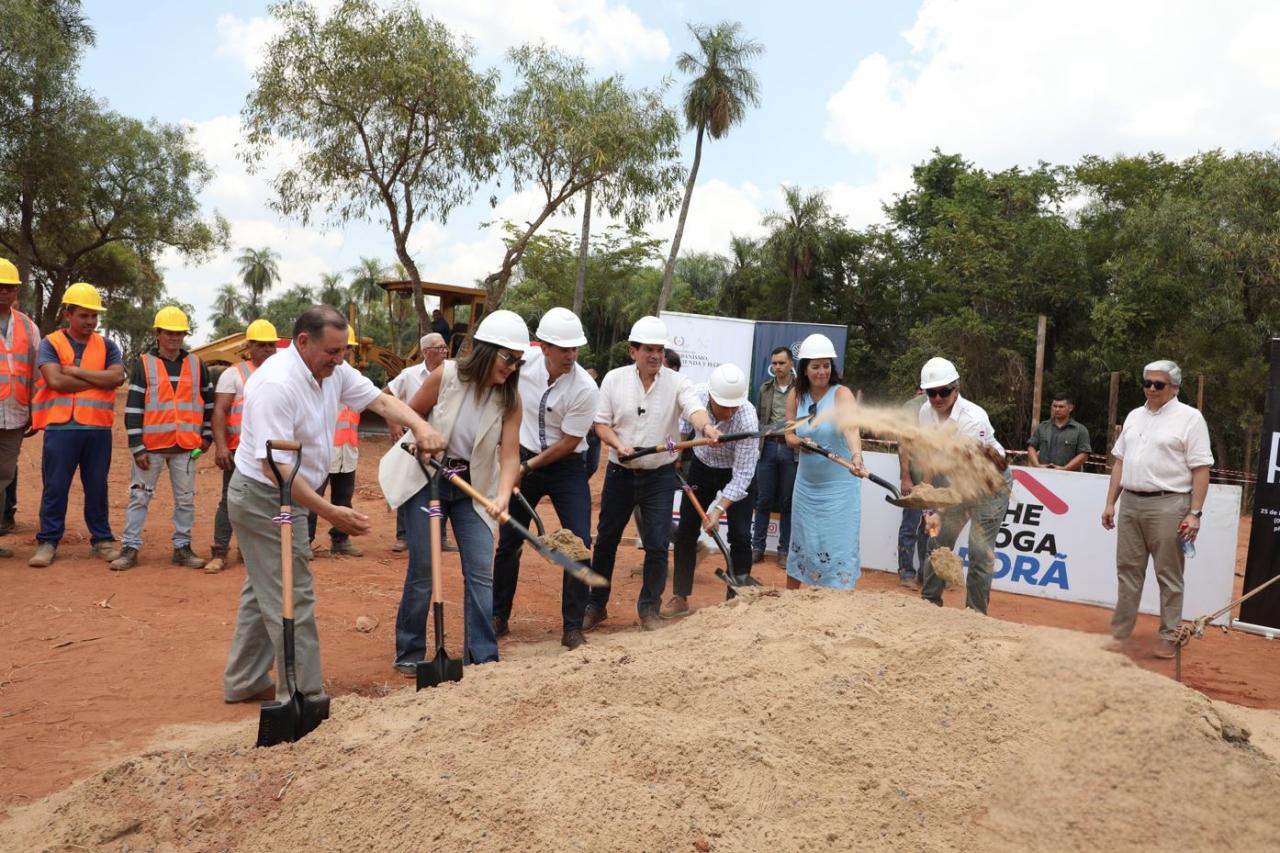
x=806 y=721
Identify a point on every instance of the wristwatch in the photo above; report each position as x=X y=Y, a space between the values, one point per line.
x=1198 y=513
x=524 y=467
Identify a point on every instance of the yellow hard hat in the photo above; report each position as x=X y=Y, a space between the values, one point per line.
x=171 y=319
x=8 y=273
x=261 y=330
x=351 y=335
x=84 y=296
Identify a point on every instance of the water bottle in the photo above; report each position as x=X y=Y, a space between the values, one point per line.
x=1188 y=548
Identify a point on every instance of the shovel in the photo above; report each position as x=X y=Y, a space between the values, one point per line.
x=298 y=715
x=775 y=428
x=897 y=499
x=732 y=580
x=441 y=668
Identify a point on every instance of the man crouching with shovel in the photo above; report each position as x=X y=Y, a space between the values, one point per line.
x=294 y=397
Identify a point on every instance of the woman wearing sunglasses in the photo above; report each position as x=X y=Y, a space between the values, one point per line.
x=826 y=504
x=474 y=403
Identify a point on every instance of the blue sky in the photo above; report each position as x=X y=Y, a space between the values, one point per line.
x=853 y=93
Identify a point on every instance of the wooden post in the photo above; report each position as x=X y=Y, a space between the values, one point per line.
x=1113 y=405
x=1038 y=388
x=1250 y=467
x=1200 y=392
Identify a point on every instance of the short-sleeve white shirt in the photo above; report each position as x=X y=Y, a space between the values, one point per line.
x=645 y=418
x=408 y=381
x=1160 y=448
x=283 y=400
x=565 y=407
x=230 y=382
x=968 y=418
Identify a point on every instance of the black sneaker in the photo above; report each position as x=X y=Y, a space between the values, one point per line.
x=406 y=668
x=593 y=617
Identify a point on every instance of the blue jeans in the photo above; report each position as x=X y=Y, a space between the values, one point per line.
x=912 y=543
x=475 y=546
x=624 y=490
x=565 y=482
x=775 y=480
x=65 y=450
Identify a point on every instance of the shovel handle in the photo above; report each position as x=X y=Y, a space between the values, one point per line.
x=285 y=518
x=537 y=519
x=777 y=428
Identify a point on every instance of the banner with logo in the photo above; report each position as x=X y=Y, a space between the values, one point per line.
x=704 y=343
x=1264 y=536
x=1053 y=545
x=770 y=335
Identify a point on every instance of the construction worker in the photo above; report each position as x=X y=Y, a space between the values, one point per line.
x=19 y=338
x=167 y=415
x=342 y=469
x=228 y=409
x=74 y=404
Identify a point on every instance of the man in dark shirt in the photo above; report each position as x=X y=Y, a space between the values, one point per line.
x=440 y=325
x=1060 y=442
x=167 y=415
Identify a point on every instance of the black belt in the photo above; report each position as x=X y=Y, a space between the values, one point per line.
x=640 y=472
x=1152 y=494
x=781 y=439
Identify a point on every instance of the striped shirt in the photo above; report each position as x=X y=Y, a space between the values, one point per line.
x=741 y=456
x=137 y=399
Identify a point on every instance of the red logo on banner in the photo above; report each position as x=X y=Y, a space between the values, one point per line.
x=1040 y=492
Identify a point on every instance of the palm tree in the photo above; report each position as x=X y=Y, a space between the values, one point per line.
x=259 y=271
x=743 y=251
x=797 y=236
x=714 y=101
x=229 y=308
x=365 y=277
x=332 y=291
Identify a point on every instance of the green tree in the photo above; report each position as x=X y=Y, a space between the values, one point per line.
x=284 y=309
x=799 y=234
x=715 y=100
x=332 y=291
x=387 y=112
x=229 y=309
x=259 y=270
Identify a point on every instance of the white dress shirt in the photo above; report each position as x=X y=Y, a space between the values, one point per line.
x=283 y=401
x=1160 y=448
x=565 y=407
x=408 y=381
x=968 y=418
x=646 y=418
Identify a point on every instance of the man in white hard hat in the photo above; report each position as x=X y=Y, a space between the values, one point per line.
x=941 y=383
x=559 y=400
x=723 y=478
x=403 y=387
x=640 y=406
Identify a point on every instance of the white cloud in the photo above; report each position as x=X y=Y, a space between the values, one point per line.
x=244 y=39
x=1009 y=82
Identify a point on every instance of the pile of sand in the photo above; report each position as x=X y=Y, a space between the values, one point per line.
x=814 y=720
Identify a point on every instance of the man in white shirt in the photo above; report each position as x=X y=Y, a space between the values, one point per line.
x=560 y=401
x=940 y=381
x=1162 y=467
x=641 y=406
x=294 y=396
x=403 y=387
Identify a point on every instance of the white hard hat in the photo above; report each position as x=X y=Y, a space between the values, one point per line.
x=561 y=327
x=937 y=372
x=729 y=386
x=817 y=346
x=649 y=330
x=504 y=329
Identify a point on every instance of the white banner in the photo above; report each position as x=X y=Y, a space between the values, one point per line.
x=1053 y=545
x=704 y=343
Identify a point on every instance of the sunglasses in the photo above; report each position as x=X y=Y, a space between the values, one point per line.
x=813 y=409
x=511 y=359
x=940 y=392
x=1156 y=384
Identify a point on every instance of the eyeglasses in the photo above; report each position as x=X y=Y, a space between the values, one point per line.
x=441 y=348
x=940 y=392
x=1154 y=383
x=511 y=359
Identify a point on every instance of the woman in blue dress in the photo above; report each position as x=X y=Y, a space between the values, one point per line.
x=826 y=506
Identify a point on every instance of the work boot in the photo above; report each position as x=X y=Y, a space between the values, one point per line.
x=677 y=605
x=593 y=617
x=1165 y=649
x=400 y=546
x=107 y=549
x=757 y=555
x=187 y=558
x=344 y=548
x=127 y=560
x=43 y=556
x=217 y=560
x=500 y=627
x=650 y=622
x=572 y=639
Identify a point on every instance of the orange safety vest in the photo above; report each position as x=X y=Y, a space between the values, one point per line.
x=236 y=415
x=17 y=359
x=172 y=416
x=93 y=407
x=348 y=431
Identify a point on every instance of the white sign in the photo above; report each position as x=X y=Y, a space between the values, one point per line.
x=704 y=343
x=1053 y=545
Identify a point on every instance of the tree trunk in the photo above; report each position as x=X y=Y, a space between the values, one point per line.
x=419 y=303
x=668 y=273
x=791 y=297
x=395 y=326
x=579 y=292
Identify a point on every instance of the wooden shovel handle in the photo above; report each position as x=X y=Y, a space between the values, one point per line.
x=475 y=495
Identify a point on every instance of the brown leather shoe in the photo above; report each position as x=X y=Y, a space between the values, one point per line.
x=107 y=549
x=500 y=627
x=677 y=605
x=217 y=560
x=593 y=617
x=1165 y=649
x=573 y=639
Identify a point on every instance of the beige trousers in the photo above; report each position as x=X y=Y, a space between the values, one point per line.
x=1148 y=527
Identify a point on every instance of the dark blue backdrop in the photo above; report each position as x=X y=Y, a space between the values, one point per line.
x=770 y=334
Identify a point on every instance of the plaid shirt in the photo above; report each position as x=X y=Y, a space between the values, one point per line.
x=741 y=456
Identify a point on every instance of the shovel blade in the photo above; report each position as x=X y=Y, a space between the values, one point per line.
x=286 y=722
x=441 y=668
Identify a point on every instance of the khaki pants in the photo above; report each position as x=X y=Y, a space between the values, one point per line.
x=1148 y=527
x=258 y=640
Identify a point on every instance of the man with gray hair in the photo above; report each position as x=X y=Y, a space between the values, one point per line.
x=403 y=387
x=1162 y=468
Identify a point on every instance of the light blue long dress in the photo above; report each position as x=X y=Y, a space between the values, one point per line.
x=826 y=508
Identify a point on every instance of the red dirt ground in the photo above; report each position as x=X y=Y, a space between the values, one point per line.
x=82 y=684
